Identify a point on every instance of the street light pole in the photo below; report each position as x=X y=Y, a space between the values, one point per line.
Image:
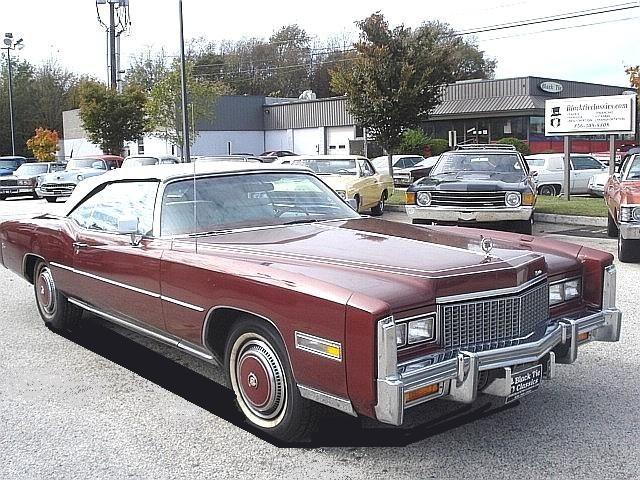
x=10 y=44
x=186 y=148
x=13 y=130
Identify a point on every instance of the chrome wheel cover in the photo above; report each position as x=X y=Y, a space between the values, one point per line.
x=258 y=380
x=46 y=292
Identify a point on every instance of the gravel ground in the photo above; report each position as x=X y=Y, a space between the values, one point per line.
x=108 y=404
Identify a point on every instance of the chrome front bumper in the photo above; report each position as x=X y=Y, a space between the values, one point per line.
x=455 y=214
x=630 y=231
x=458 y=378
x=22 y=190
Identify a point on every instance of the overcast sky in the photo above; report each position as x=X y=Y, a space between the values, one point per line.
x=69 y=30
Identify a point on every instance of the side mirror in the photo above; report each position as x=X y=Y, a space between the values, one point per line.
x=534 y=173
x=129 y=226
x=353 y=204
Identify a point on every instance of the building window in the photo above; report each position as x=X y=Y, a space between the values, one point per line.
x=512 y=127
x=359 y=131
x=141 y=146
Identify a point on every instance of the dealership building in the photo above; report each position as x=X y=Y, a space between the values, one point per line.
x=479 y=111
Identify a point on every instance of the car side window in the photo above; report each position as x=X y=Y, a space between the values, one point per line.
x=585 y=163
x=367 y=169
x=102 y=210
x=177 y=212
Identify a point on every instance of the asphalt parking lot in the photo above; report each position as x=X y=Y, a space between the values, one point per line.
x=108 y=404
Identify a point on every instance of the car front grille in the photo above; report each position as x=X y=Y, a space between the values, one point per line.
x=57 y=187
x=8 y=183
x=490 y=323
x=440 y=198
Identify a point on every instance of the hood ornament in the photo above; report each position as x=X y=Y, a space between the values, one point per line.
x=487 y=245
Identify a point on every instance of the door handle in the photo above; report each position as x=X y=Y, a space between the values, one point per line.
x=78 y=245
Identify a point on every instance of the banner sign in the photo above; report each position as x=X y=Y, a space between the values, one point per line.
x=590 y=115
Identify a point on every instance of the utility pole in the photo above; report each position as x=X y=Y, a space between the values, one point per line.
x=186 y=148
x=11 y=44
x=112 y=46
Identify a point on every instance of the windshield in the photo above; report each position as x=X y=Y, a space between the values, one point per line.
x=139 y=161
x=9 y=163
x=535 y=162
x=330 y=167
x=248 y=200
x=633 y=170
x=485 y=163
x=86 y=163
x=32 y=169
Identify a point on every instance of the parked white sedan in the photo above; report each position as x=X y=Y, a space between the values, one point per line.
x=549 y=168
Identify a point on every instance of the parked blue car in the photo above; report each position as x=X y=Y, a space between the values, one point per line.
x=8 y=165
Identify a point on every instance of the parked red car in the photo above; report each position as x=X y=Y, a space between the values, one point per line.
x=622 y=196
x=266 y=272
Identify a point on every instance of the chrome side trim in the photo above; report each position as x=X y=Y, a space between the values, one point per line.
x=129 y=287
x=339 y=403
x=182 y=304
x=169 y=340
x=299 y=336
x=492 y=293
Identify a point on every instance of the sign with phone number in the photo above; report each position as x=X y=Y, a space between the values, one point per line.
x=590 y=115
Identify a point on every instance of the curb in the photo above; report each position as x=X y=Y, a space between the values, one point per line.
x=542 y=218
x=570 y=219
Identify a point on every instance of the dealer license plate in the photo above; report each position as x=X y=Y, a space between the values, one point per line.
x=524 y=382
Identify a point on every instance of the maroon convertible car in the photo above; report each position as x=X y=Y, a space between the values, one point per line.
x=267 y=273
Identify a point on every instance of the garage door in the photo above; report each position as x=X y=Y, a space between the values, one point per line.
x=338 y=140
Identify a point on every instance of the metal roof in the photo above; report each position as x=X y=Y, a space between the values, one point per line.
x=474 y=106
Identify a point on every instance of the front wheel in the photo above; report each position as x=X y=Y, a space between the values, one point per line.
x=547 y=190
x=379 y=209
x=55 y=310
x=524 y=226
x=258 y=369
x=628 y=250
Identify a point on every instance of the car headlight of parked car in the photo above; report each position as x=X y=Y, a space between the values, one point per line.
x=423 y=199
x=80 y=178
x=26 y=182
x=565 y=291
x=415 y=331
x=513 y=199
x=629 y=214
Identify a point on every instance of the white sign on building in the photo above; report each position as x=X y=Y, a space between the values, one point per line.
x=590 y=115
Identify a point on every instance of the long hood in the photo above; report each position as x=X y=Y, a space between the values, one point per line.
x=404 y=265
x=339 y=182
x=631 y=192
x=474 y=181
x=71 y=175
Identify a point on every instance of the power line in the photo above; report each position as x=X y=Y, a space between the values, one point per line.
x=562 y=28
x=553 y=18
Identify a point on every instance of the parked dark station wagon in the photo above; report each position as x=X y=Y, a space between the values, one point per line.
x=267 y=273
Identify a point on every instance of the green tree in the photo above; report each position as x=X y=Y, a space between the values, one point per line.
x=111 y=118
x=398 y=76
x=413 y=141
x=520 y=145
x=146 y=69
x=165 y=104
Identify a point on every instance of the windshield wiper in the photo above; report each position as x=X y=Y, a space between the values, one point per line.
x=301 y=220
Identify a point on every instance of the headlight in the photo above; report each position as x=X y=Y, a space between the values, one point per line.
x=513 y=199
x=415 y=331
x=423 y=199
x=342 y=193
x=420 y=330
x=24 y=181
x=635 y=214
x=401 y=334
x=565 y=291
x=80 y=178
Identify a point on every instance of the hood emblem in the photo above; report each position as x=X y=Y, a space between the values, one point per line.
x=487 y=245
x=537 y=273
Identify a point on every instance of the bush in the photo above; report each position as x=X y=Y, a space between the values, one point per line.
x=520 y=145
x=413 y=142
x=438 y=146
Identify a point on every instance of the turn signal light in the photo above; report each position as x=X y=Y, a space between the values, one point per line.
x=410 y=198
x=421 y=392
x=583 y=336
x=528 y=198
